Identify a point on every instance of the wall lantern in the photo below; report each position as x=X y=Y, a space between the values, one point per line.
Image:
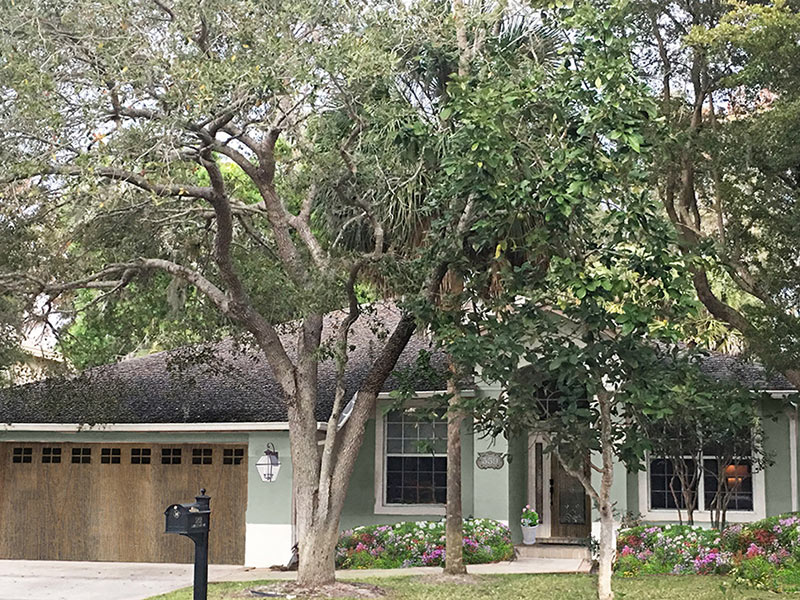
x=269 y=464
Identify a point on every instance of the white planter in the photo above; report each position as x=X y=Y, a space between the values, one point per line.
x=528 y=535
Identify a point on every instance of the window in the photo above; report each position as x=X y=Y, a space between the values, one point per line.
x=51 y=455
x=201 y=456
x=738 y=485
x=663 y=482
x=170 y=456
x=415 y=459
x=81 y=456
x=232 y=456
x=22 y=455
x=140 y=456
x=110 y=456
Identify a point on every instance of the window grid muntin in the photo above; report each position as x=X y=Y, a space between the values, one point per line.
x=411 y=475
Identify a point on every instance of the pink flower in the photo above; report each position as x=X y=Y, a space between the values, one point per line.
x=753 y=550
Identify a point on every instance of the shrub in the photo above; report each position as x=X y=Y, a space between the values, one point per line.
x=757 y=572
x=763 y=554
x=420 y=543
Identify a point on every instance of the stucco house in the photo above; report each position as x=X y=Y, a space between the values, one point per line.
x=88 y=465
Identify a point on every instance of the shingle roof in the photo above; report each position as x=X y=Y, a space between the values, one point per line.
x=235 y=386
x=223 y=383
x=748 y=373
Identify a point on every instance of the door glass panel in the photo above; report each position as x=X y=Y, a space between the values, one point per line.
x=571 y=500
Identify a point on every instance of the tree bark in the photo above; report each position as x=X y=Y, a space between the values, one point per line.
x=606 y=557
x=454 y=524
x=318 y=558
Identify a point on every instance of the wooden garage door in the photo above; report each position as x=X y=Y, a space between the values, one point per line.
x=106 y=501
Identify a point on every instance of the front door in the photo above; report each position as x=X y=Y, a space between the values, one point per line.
x=570 y=510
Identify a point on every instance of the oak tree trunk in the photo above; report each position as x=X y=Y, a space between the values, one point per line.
x=317 y=555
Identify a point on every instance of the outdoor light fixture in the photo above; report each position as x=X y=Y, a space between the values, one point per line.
x=269 y=464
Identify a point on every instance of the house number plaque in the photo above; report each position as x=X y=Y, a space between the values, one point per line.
x=489 y=460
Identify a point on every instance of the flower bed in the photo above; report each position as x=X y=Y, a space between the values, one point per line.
x=420 y=543
x=753 y=552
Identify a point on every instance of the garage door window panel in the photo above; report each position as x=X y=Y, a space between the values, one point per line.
x=81 y=456
x=51 y=455
x=22 y=455
x=140 y=456
x=110 y=456
x=232 y=456
x=202 y=456
x=170 y=456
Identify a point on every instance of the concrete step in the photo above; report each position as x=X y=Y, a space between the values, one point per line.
x=546 y=550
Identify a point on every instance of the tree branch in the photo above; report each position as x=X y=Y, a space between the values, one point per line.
x=186 y=191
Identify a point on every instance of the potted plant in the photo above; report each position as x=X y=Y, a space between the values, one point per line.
x=529 y=522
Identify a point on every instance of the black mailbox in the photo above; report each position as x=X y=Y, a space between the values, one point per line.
x=186 y=519
x=192 y=520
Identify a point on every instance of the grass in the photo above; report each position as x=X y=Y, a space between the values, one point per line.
x=532 y=587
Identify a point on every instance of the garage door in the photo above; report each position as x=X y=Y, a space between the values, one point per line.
x=106 y=501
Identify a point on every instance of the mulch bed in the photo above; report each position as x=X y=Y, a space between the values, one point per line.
x=340 y=589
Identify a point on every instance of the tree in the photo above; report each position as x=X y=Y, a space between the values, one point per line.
x=127 y=133
x=724 y=173
x=571 y=252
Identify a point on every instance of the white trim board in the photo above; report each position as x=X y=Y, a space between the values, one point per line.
x=267 y=544
x=151 y=427
x=545 y=516
x=793 y=457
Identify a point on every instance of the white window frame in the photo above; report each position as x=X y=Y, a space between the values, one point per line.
x=701 y=516
x=381 y=506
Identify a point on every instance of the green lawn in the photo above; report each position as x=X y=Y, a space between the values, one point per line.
x=524 y=587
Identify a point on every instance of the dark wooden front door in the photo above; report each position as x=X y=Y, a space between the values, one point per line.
x=570 y=514
x=106 y=502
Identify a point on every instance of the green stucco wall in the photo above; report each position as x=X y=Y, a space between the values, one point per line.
x=269 y=503
x=631 y=494
x=517 y=483
x=490 y=485
x=777 y=477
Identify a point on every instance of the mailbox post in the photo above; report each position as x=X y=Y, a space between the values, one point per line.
x=192 y=520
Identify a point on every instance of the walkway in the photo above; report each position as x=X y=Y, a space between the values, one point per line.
x=55 y=580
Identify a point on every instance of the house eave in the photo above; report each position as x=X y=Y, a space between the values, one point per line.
x=153 y=427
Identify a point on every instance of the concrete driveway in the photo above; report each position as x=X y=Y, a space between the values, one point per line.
x=56 y=580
